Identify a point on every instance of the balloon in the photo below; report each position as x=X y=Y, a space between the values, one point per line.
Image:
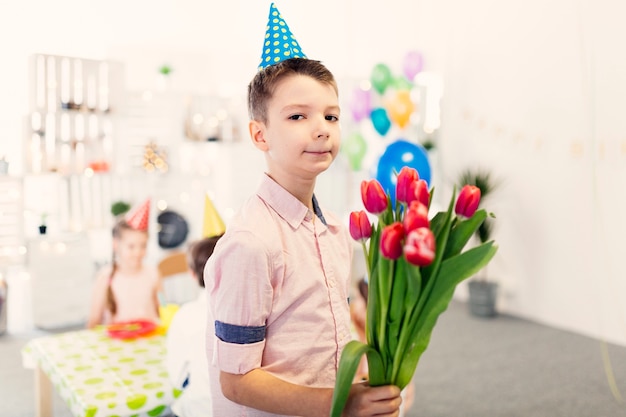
x=397 y=155
x=381 y=121
x=381 y=77
x=361 y=104
x=400 y=107
x=355 y=148
x=401 y=83
x=413 y=63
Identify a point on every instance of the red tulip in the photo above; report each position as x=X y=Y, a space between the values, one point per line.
x=406 y=178
x=360 y=226
x=416 y=216
x=467 y=203
x=419 y=248
x=391 y=241
x=419 y=192
x=373 y=196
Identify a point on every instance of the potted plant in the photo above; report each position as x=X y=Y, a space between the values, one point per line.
x=42 y=223
x=483 y=292
x=119 y=207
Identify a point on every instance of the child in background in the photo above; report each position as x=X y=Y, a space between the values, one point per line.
x=186 y=360
x=278 y=282
x=127 y=289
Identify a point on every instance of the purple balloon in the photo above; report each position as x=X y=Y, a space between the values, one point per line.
x=413 y=63
x=361 y=104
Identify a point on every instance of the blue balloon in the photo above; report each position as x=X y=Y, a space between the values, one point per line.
x=397 y=155
x=381 y=121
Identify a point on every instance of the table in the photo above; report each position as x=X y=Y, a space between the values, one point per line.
x=98 y=376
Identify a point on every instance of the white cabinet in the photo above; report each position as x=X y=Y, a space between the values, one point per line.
x=62 y=273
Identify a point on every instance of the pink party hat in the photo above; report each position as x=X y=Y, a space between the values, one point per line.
x=138 y=217
x=279 y=43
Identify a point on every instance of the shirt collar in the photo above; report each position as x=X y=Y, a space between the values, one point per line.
x=289 y=207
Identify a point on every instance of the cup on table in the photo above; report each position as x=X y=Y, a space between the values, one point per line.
x=166 y=314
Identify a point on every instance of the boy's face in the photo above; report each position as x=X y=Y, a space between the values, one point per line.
x=302 y=135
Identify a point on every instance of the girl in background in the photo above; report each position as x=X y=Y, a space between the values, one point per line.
x=127 y=289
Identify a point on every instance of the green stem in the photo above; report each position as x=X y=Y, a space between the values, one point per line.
x=385 y=287
x=367 y=264
x=409 y=329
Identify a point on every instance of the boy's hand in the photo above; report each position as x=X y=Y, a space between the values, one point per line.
x=365 y=401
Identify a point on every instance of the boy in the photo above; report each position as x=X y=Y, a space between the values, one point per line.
x=279 y=279
x=186 y=359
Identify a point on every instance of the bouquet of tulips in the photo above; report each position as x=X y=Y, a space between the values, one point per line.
x=414 y=263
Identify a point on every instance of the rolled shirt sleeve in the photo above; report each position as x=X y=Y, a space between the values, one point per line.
x=238 y=279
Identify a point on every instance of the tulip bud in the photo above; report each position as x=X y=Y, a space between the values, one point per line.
x=416 y=216
x=391 y=241
x=419 y=248
x=467 y=203
x=373 y=196
x=406 y=178
x=360 y=226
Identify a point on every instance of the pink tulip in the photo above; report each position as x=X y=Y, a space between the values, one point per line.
x=467 y=203
x=391 y=241
x=360 y=226
x=416 y=216
x=406 y=178
x=419 y=248
x=419 y=192
x=373 y=196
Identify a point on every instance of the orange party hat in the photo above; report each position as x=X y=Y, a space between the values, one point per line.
x=213 y=223
x=138 y=217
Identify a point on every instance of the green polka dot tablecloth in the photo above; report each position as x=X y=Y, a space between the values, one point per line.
x=102 y=377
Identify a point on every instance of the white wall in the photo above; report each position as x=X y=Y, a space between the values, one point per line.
x=533 y=91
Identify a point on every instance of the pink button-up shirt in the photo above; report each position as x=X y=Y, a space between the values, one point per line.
x=278 y=285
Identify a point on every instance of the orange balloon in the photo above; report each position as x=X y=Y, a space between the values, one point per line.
x=400 y=107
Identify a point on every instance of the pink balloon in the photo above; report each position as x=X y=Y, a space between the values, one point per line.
x=361 y=104
x=413 y=63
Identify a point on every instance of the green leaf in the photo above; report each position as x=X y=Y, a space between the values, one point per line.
x=437 y=223
x=348 y=364
x=396 y=305
x=452 y=272
x=374 y=251
x=372 y=307
x=441 y=238
x=457 y=268
x=414 y=287
x=385 y=270
x=462 y=232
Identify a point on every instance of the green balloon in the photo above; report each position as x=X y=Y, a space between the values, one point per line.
x=402 y=83
x=355 y=148
x=381 y=77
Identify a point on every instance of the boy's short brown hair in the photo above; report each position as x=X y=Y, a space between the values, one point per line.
x=199 y=253
x=261 y=88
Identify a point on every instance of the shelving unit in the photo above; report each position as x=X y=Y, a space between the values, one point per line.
x=11 y=221
x=71 y=126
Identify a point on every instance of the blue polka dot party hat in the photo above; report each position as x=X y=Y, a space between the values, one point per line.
x=279 y=43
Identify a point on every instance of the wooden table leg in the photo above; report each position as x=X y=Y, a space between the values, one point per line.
x=43 y=394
